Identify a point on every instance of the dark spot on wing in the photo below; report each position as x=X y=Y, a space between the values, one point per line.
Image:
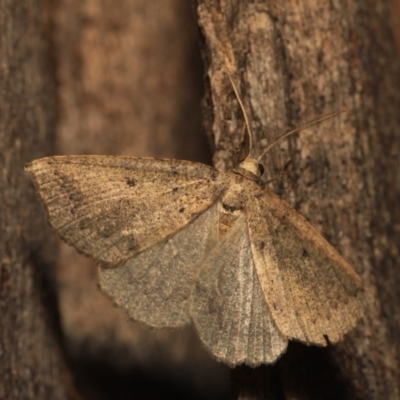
x=181 y=210
x=261 y=245
x=76 y=197
x=65 y=179
x=131 y=243
x=130 y=182
x=174 y=189
x=106 y=231
x=214 y=174
x=84 y=223
x=305 y=253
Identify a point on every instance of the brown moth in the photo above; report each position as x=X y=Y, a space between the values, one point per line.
x=179 y=242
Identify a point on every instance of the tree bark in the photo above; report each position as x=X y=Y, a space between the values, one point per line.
x=31 y=361
x=293 y=62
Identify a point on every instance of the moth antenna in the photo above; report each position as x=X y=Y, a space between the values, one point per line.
x=298 y=129
x=246 y=120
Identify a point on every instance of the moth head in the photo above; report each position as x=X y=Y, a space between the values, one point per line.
x=253 y=166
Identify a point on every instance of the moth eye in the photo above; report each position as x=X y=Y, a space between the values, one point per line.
x=260 y=169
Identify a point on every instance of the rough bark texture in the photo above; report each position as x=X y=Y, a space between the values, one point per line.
x=31 y=360
x=295 y=61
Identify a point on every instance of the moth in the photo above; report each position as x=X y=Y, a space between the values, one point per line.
x=180 y=242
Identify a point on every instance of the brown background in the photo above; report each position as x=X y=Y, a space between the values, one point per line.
x=127 y=77
x=130 y=82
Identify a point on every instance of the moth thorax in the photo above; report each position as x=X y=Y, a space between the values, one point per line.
x=231 y=207
x=227 y=219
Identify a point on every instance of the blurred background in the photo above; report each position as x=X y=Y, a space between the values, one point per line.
x=129 y=82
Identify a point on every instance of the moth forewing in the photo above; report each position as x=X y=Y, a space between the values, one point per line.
x=313 y=294
x=111 y=208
